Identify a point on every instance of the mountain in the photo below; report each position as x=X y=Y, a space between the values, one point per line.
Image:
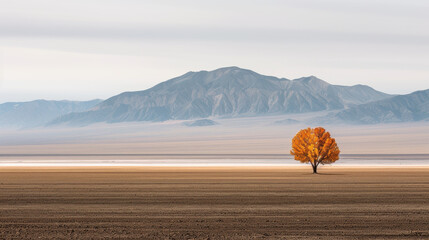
x=402 y=108
x=39 y=112
x=225 y=92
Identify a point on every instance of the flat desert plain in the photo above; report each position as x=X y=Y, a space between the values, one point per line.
x=214 y=203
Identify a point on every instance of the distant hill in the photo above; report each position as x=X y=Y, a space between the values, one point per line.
x=288 y=121
x=200 y=123
x=403 y=108
x=225 y=92
x=39 y=112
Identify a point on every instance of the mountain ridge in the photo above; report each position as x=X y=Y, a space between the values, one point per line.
x=224 y=92
x=39 y=112
x=402 y=108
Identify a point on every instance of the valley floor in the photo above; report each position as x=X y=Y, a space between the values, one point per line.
x=214 y=203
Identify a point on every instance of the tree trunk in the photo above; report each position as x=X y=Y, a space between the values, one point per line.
x=314 y=169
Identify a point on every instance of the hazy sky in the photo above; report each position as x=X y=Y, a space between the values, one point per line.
x=84 y=49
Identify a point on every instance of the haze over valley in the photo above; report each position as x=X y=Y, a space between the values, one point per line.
x=225 y=111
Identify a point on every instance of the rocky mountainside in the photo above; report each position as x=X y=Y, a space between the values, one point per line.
x=403 y=108
x=39 y=112
x=228 y=92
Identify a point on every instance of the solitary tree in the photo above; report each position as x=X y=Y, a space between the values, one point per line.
x=314 y=146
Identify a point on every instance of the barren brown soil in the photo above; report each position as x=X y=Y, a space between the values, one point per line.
x=214 y=203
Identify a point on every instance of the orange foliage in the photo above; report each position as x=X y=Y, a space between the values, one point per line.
x=314 y=146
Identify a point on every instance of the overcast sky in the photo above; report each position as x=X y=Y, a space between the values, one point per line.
x=85 y=49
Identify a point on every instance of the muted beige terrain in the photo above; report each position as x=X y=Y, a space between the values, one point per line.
x=231 y=136
x=214 y=203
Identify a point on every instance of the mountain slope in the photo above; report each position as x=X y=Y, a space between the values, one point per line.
x=227 y=91
x=39 y=112
x=403 y=108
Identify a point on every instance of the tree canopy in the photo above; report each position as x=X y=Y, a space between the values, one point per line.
x=315 y=146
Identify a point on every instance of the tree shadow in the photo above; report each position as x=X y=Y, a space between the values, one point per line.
x=327 y=174
x=333 y=174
